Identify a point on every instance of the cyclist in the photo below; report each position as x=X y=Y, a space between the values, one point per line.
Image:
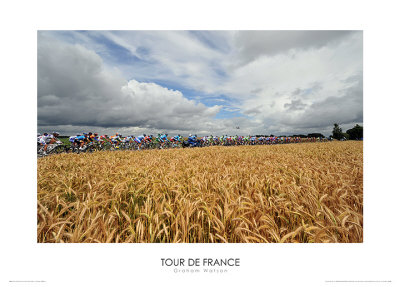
x=96 y=138
x=47 y=139
x=148 y=140
x=210 y=140
x=129 y=139
x=204 y=140
x=84 y=141
x=105 y=140
x=192 y=140
x=139 y=140
x=115 y=140
x=39 y=139
x=79 y=140
x=73 y=142
x=92 y=137
x=176 y=140
x=163 y=139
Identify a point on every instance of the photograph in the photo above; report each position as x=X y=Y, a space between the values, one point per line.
x=200 y=136
x=213 y=143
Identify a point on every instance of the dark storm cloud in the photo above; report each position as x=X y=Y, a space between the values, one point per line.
x=345 y=108
x=75 y=89
x=72 y=87
x=253 y=44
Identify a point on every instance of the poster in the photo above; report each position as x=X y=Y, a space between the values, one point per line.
x=30 y=263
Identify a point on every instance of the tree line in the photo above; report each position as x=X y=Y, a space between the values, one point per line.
x=355 y=133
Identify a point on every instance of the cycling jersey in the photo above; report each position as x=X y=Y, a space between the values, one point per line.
x=91 y=138
x=45 y=139
x=42 y=140
x=115 y=139
x=192 y=139
x=127 y=139
x=139 y=139
x=163 y=138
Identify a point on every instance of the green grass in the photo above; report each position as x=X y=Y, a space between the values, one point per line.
x=65 y=141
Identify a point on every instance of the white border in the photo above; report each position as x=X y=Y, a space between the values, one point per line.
x=261 y=264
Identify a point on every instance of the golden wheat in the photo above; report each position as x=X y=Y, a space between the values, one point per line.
x=283 y=193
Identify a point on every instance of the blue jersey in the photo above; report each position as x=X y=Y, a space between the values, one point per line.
x=139 y=139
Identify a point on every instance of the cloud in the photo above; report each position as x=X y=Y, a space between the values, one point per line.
x=346 y=108
x=295 y=105
x=192 y=59
x=200 y=81
x=305 y=93
x=254 y=44
x=314 y=88
x=253 y=111
x=74 y=88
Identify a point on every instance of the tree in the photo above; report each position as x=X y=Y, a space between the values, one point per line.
x=355 y=133
x=337 y=132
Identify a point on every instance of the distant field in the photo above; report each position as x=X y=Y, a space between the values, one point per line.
x=310 y=192
x=65 y=141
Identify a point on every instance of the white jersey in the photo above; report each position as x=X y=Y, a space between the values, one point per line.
x=45 y=139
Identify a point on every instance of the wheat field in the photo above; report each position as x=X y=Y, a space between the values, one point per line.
x=308 y=193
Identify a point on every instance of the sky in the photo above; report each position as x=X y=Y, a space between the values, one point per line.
x=199 y=82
